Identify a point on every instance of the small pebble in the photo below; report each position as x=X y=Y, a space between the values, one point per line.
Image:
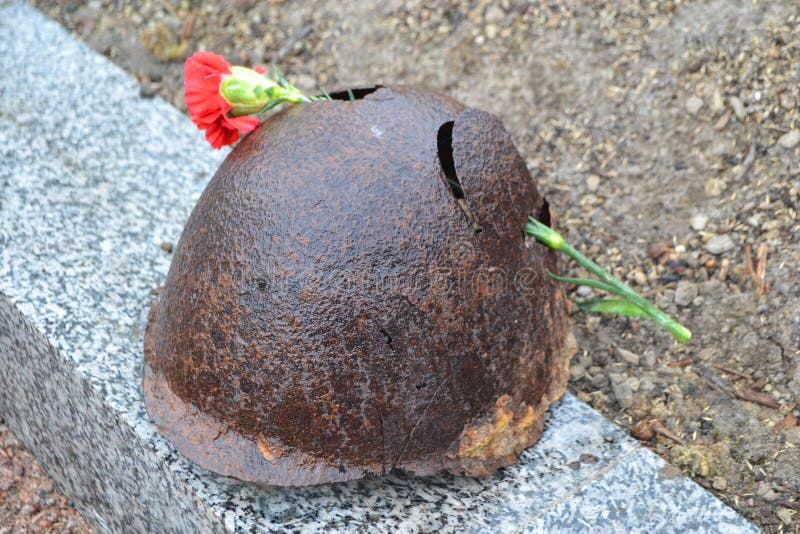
x=630 y=357
x=147 y=90
x=685 y=293
x=658 y=249
x=694 y=105
x=720 y=484
x=584 y=291
x=624 y=393
x=577 y=371
x=633 y=382
x=592 y=322
x=599 y=380
x=719 y=244
x=790 y=139
x=663 y=300
x=765 y=492
x=494 y=14
x=646 y=385
x=738 y=108
x=717 y=102
x=698 y=222
x=714 y=187
x=593 y=182
x=785 y=515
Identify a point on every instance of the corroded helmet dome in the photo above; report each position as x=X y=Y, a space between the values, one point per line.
x=354 y=293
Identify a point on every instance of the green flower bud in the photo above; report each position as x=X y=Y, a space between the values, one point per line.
x=247 y=91
x=545 y=234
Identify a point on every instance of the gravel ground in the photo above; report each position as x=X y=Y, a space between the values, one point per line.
x=666 y=136
x=29 y=502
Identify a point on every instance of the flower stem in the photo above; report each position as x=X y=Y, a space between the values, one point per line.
x=554 y=240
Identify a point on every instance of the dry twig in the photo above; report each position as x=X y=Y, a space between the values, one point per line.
x=659 y=428
x=755 y=396
x=731 y=371
x=647 y=428
x=748 y=257
x=790 y=421
x=723 y=270
x=301 y=34
x=758 y=271
x=714 y=380
x=761 y=270
x=723 y=120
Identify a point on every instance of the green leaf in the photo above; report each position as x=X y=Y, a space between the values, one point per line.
x=633 y=303
x=273 y=104
x=615 y=306
x=597 y=284
x=279 y=75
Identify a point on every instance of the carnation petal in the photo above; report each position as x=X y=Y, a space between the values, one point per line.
x=244 y=124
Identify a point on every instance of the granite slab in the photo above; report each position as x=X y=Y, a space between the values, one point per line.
x=94 y=179
x=615 y=501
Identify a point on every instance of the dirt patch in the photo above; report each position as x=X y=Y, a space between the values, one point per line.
x=29 y=502
x=665 y=137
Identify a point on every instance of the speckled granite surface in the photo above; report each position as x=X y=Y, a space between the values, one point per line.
x=86 y=196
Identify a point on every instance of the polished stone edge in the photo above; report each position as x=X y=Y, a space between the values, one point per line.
x=636 y=493
x=93 y=455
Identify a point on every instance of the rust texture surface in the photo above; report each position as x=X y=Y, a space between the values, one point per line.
x=332 y=312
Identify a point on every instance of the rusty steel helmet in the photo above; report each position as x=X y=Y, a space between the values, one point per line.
x=354 y=293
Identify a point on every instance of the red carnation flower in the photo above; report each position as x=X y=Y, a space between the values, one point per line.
x=203 y=74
